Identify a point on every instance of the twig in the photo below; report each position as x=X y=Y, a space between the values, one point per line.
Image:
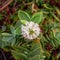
x=15 y=3
x=6 y=4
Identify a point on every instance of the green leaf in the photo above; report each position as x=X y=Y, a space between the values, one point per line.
x=12 y=28
x=36 y=57
x=3 y=28
x=17 y=31
x=23 y=15
x=57 y=37
x=37 y=17
x=8 y=39
x=18 y=23
x=18 y=55
x=6 y=34
x=23 y=21
x=20 y=49
x=36 y=52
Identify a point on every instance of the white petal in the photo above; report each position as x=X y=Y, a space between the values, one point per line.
x=33 y=26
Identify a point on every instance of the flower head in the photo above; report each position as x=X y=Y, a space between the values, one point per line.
x=30 y=30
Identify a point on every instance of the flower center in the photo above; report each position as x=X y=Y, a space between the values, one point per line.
x=31 y=31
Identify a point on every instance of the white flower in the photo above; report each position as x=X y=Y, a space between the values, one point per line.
x=30 y=30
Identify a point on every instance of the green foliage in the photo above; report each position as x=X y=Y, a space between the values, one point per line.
x=19 y=55
x=22 y=49
x=37 y=17
x=34 y=53
x=8 y=39
x=57 y=19
x=23 y=16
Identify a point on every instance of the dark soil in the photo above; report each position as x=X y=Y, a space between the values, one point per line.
x=5 y=55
